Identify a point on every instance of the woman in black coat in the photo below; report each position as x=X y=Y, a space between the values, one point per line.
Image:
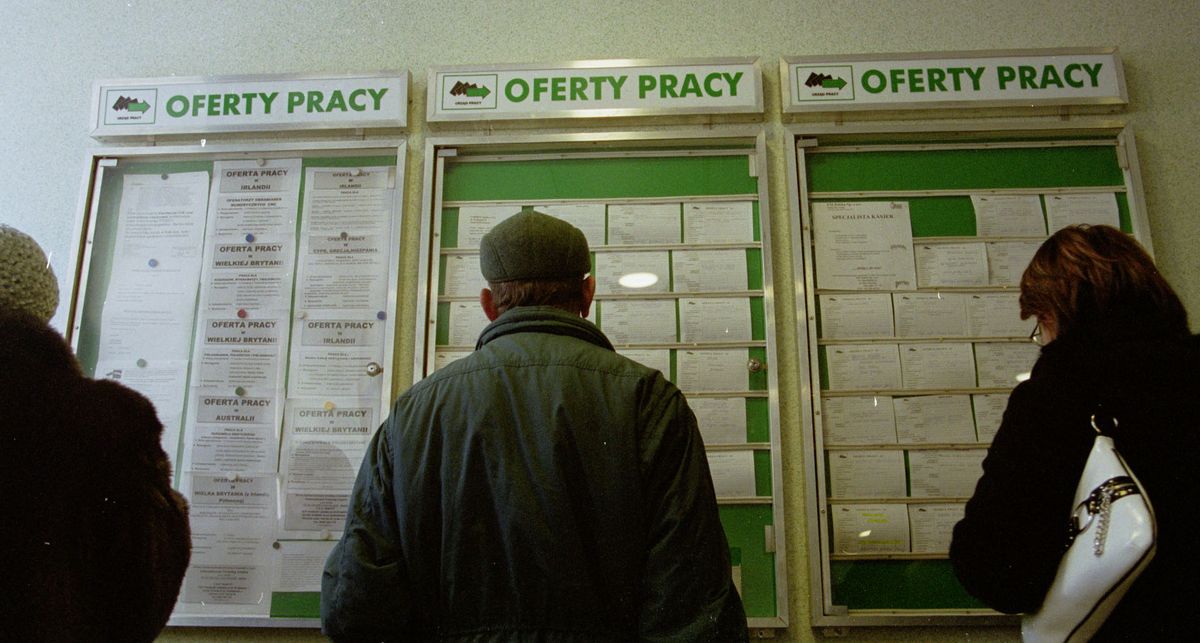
x=93 y=541
x=1116 y=340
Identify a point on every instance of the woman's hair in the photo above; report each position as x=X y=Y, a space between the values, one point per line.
x=567 y=294
x=1083 y=275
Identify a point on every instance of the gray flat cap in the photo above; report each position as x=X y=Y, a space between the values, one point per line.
x=530 y=246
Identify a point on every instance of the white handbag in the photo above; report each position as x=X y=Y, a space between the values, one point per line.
x=1115 y=536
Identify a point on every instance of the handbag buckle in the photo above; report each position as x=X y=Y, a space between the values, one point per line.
x=1099 y=503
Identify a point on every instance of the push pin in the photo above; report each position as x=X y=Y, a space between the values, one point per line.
x=242 y=314
x=141 y=363
x=374 y=369
x=329 y=406
x=381 y=315
x=239 y=391
x=153 y=263
x=249 y=238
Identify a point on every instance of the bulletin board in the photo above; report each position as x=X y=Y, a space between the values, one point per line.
x=912 y=240
x=249 y=292
x=690 y=209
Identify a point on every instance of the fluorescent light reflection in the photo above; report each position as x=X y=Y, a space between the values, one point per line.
x=1021 y=377
x=638 y=280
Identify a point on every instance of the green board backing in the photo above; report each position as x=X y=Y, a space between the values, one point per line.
x=882 y=584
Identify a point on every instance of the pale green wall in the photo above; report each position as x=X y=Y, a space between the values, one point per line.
x=52 y=50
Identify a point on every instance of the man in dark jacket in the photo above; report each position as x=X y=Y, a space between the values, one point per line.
x=543 y=488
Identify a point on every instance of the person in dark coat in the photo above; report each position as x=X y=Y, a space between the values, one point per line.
x=1116 y=339
x=93 y=541
x=543 y=488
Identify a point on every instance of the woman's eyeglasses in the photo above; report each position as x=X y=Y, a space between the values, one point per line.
x=1036 y=336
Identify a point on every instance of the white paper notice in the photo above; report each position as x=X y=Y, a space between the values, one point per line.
x=718 y=222
x=863 y=245
x=722 y=420
x=996 y=314
x=467 y=321
x=345 y=239
x=474 y=221
x=1008 y=215
x=933 y=525
x=989 y=411
x=951 y=264
x=712 y=370
x=945 y=473
x=870 y=529
x=940 y=366
x=869 y=419
x=934 y=419
x=323 y=447
x=709 y=270
x=443 y=358
x=658 y=359
x=638 y=321
x=461 y=276
x=1007 y=261
x=149 y=309
x=300 y=563
x=232 y=433
x=630 y=225
x=713 y=319
x=611 y=266
x=588 y=217
x=151 y=299
x=930 y=314
x=161 y=216
x=851 y=316
x=732 y=473
x=249 y=200
x=867 y=474
x=234 y=352
x=248 y=276
x=335 y=356
x=233 y=523
x=1063 y=210
x=1000 y=363
x=163 y=382
x=863 y=367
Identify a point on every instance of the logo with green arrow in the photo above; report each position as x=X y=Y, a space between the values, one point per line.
x=824 y=83
x=129 y=106
x=469 y=91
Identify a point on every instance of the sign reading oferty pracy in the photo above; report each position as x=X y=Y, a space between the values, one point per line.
x=185 y=106
x=954 y=80
x=595 y=89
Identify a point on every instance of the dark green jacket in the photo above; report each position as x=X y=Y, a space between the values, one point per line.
x=543 y=488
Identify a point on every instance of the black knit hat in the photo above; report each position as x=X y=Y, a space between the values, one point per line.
x=531 y=246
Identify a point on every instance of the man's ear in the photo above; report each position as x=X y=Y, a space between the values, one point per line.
x=589 y=291
x=488 y=304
